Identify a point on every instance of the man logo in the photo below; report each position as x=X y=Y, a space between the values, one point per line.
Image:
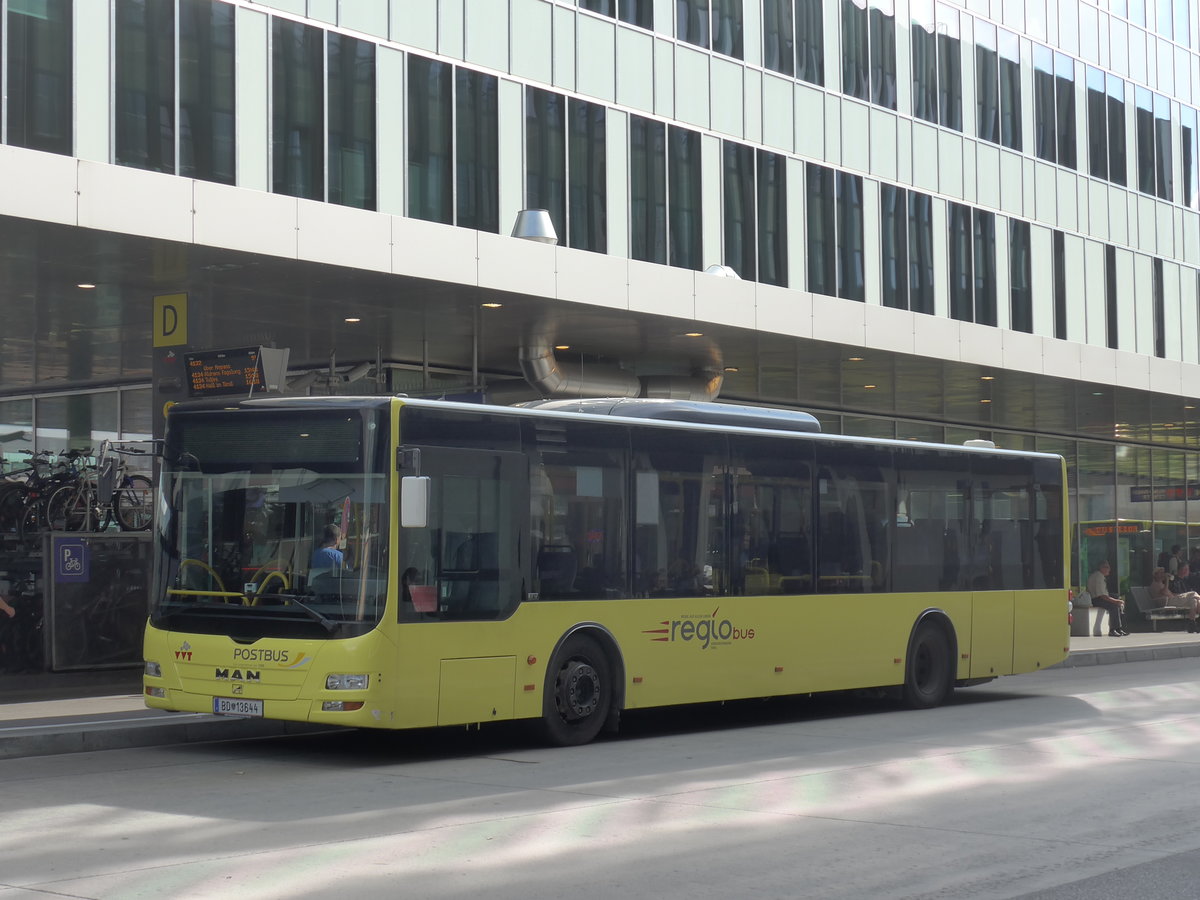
x=237 y=675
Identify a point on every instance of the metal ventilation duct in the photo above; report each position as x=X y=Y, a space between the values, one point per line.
x=554 y=378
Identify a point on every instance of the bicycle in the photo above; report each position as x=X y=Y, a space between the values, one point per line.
x=128 y=497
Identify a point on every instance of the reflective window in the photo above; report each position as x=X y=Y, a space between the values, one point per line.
x=1154 y=157
x=869 y=51
x=1045 y=134
x=1110 y=295
x=150 y=115
x=453 y=145
x=430 y=140
x=1010 y=90
x=931 y=521
x=578 y=506
x=851 y=237
x=207 y=125
x=984 y=262
x=755 y=213
x=779 y=36
x=1059 y=257
x=810 y=41
x=587 y=176
x=37 y=44
x=924 y=61
x=1097 y=110
x=713 y=24
x=635 y=12
x=1164 y=176
x=477 y=150
x=1064 y=101
x=835 y=233
x=1117 y=172
x=949 y=67
x=1160 y=313
x=144 y=105
x=937 y=63
x=771 y=524
x=893 y=241
x=298 y=109
x=822 y=244
x=351 y=122
x=679 y=512
x=855 y=499
x=1054 y=106
x=772 y=218
x=1020 y=276
x=987 y=82
x=684 y=196
x=1191 y=157
x=961 y=274
x=647 y=190
x=565 y=166
x=546 y=155
x=920 y=252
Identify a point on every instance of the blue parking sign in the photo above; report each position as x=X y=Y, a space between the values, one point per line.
x=71 y=560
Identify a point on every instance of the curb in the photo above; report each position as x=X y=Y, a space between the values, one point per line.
x=1081 y=658
x=48 y=740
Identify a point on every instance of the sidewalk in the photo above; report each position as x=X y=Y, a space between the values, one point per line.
x=43 y=715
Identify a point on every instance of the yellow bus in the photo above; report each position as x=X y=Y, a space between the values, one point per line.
x=404 y=563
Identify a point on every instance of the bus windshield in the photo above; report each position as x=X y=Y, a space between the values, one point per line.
x=291 y=542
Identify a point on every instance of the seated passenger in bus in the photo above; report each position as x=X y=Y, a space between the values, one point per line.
x=327 y=557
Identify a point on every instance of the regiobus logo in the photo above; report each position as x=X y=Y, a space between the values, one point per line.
x=705 y=630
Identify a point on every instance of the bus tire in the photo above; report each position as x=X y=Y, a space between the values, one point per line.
x=578 y=694
x=928 y=679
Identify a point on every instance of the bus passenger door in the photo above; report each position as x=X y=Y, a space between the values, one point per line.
x=472 y=553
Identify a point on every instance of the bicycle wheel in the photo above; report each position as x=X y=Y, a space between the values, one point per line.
x=12 y=505
x=72 y=508
x=134 y=503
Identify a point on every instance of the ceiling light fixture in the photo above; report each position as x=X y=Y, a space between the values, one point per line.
x=491 y=305
x=693 y=334
x=85 y=286
x=987 y=377
x=352 y=319
x=562 y=346
x=869 y=386
x=731 y=369
x=854 y=359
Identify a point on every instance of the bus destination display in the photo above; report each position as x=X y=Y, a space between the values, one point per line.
x=216 y=373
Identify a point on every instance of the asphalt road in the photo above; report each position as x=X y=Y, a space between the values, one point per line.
x=1070 y=783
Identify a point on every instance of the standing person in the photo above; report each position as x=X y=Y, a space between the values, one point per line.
x=328 y=556
x=1097 y=586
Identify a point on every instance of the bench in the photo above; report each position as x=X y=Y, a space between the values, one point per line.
x=1155 y=614
x=1085 y=618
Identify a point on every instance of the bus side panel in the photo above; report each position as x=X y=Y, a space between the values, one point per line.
x=991 y=633
x=1042 y=631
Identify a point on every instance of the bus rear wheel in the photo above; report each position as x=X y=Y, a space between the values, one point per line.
x=578 y=693
x=927 y=678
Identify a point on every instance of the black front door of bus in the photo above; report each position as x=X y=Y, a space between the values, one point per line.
x=471 y=558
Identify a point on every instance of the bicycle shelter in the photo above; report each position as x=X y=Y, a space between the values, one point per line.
x=80 y=601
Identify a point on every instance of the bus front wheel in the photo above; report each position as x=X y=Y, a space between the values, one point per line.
x=928 y=679
x=578 y=692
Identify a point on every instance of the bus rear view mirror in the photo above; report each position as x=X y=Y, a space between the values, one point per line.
x=414 y=501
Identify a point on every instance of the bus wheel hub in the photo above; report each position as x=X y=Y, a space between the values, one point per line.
x=579 y=689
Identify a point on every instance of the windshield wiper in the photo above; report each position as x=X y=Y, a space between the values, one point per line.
x=327 y=623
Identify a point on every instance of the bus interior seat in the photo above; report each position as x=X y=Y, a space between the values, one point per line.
x=556 y=569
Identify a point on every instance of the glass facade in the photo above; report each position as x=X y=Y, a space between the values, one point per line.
x=1102 y=270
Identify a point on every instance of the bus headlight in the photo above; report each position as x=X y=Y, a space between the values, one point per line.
x=346 y=682
x=341 y=705
x=153 y=669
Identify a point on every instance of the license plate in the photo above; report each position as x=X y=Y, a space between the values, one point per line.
x=236 y=706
